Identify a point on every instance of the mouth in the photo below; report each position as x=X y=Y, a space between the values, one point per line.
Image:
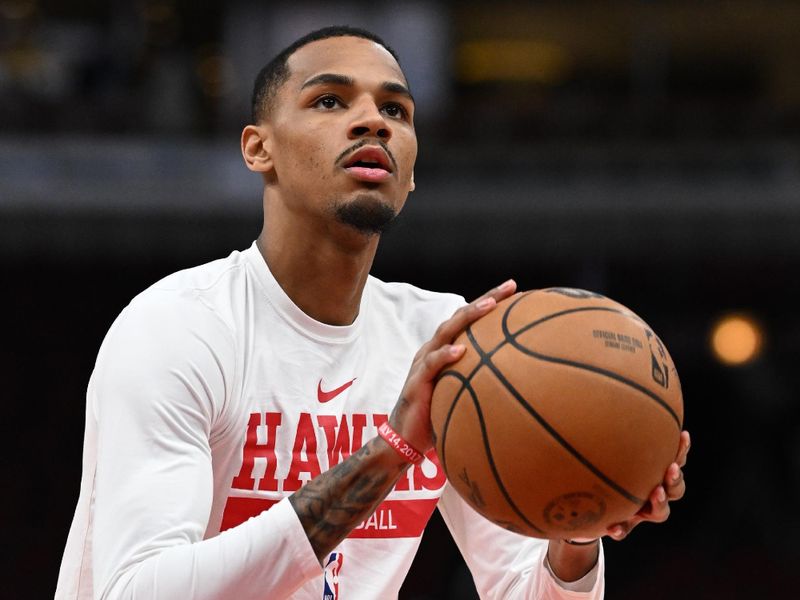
x=370 y=164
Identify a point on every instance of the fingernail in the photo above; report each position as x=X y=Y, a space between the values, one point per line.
x=616 y=531
x=457 y=349
x=661 y=495
x=506 y=285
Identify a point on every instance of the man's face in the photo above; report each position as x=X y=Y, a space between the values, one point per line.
x=343 y=139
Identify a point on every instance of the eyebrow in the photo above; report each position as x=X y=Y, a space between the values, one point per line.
x=398 y=88
x=345 y=80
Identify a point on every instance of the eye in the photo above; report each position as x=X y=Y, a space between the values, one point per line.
x=396 y=111
x=327 y=102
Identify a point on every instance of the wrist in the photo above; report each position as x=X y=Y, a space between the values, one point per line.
x=569 y=561
x=399 y=445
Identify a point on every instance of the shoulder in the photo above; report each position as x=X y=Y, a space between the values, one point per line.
x=172 y=342
x=187 y=306
x=412 y=305
x=193 y=296
x=207 y=277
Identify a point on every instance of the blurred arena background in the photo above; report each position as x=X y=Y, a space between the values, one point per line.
x=645 y=149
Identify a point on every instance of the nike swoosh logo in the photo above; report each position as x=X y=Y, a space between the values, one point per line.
x=324 y=396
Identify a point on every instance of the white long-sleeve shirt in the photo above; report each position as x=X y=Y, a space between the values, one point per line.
x=214 y=398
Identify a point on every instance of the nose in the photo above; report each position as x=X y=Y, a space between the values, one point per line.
x=369 y=121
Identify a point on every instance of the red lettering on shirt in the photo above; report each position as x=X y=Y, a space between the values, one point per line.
x=252 y=449
x=305 y=442
x=422 y=481
x=338 y=442
x=359 y=422
x=397 y=519
x=379 y=419
x=392 y=518
x=341 y=435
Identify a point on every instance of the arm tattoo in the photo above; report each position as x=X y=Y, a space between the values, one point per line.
x=335 y=502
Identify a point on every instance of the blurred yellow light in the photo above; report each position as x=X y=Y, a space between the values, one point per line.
x=736 y=340
x=512 y=60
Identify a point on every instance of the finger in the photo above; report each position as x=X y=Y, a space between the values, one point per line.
x=674 y=483
x=619 y=531
x=461 y=319
x=683 y=448
x=657 y=509
x=435 y=361
x=501 y=292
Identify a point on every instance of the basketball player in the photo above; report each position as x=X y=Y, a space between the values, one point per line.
x=256 y=426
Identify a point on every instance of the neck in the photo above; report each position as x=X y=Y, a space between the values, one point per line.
x=322 y=269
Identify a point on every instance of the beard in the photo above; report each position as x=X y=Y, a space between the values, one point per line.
x=365 y=214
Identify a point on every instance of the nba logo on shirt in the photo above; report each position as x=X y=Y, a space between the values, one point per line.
x=331 y=582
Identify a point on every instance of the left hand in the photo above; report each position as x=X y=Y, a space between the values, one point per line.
x=411 y=417
x=656 y=509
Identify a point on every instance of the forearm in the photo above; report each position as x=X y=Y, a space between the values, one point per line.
x=332 y=504
x=265 y=557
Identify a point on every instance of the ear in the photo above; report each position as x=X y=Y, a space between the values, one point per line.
x=413 y=185
x=256 y=148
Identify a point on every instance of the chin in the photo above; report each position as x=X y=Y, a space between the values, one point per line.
x=366 y=213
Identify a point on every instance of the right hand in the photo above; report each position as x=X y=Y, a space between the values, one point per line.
x=411 y=417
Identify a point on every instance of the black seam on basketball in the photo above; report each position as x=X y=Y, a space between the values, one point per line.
x=550 y=429
x=599 y=371
x=564 y=443
x=511 y=338
x=560 y=313
x=466 y=385
x=480 y=364
x=446 y=425
x=491 y=352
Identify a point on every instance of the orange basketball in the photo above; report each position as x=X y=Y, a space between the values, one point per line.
x=561 y=417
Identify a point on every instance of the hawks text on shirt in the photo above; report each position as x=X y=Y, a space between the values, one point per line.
x=319 y=440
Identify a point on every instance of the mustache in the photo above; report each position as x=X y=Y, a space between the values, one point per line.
x=364 y=142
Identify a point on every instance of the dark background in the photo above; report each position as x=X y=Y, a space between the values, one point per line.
x=647 y=150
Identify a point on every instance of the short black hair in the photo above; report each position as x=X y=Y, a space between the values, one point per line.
x=276 y=72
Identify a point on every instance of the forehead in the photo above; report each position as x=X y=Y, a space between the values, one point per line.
x=358 y=58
